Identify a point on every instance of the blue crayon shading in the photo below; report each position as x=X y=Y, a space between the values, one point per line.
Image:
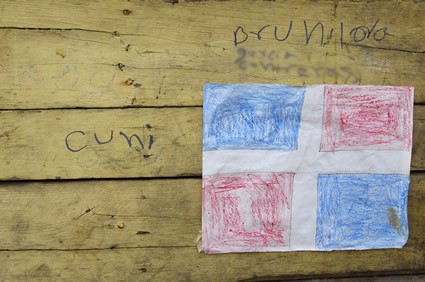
x=251 y=116
x=361 y=211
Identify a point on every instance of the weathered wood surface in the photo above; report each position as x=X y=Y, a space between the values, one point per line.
x=124 y=214
x=185 y=264
x=386 y=278
x=39 y=144
x=418 y=149
x=90 y=227
x=101 y=214
x=124 y=54
x=61 y=144
x=154 y=53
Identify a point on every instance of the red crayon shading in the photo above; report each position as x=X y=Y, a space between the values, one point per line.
x=367 y=117
x=246 y=212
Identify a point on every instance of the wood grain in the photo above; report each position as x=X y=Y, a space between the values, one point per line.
x=48 y=233
x=185 y=264
x=91 y=54
x=146 y=62
x=34 y=143
x=100 y=214
x=418 y=150
x=69 y=215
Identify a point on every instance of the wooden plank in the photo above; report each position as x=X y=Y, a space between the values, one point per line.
x=418 y=150
x=185 y=264
x=151 y=17
x=82 y=245
x=93 y=55
x=69 y=144
x=72 y=144
x=71 y=215
x=100 y=214
x=390 y=278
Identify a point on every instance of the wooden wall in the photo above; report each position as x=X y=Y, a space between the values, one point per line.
x=101 y=119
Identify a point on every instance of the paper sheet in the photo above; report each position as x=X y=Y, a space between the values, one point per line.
x=321 y=167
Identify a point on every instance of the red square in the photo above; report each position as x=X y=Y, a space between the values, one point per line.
x=246 y=212
x=367 y=117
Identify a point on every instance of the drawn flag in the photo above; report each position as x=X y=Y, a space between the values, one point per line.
x=323 y=167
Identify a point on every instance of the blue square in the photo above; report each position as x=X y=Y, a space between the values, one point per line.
x=361 y=211
x=251 y=116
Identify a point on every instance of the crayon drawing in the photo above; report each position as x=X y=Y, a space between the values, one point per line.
x=321 y=168
x=247 y=211
x=357 y=117
x=252 y=117
x=361 y=211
